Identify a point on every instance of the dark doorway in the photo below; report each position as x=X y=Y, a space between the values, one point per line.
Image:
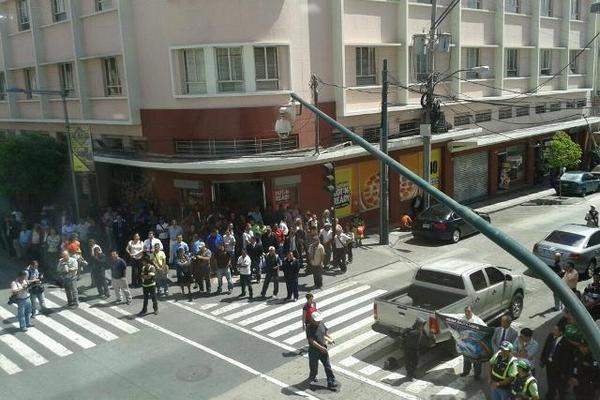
x=243 y=195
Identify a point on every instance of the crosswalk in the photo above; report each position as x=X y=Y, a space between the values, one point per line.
x=58 y=335
x=347 y=309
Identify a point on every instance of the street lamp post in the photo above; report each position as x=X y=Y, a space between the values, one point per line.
x=63 y=96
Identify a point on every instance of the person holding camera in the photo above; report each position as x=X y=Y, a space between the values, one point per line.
x=36 y=289
x=21 y=296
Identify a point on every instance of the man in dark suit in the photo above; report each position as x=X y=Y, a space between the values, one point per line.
x=557 y=358
x=504 y=332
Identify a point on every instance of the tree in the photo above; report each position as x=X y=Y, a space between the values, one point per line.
x=564 y=152
x=32 y=168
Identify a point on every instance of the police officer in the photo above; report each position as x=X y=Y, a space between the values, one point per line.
x=502 y=372
x=585 y=373
x=591 y=296
x=524 y=387
x=414 y=339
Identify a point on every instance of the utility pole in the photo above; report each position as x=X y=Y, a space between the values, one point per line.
x=384 y=222
x=426 y=134
x=63 y=97
x=314 y=86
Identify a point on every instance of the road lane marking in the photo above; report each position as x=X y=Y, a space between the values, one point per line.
x=277 y=321
x=8 y=366
x=101 y=315
x=22 y=349
x=332 y=311
x=84 y=323
x=386 y=388
x=66 y=332
x=394 y=376
x=370 y=370
x=208 y=306
x=247 y=311
x=363 y=337
x=349 y=361
x=38 y=336
x=230 y=307
x=284 y=307
x=223 y=357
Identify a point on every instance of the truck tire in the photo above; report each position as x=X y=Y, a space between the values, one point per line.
x=516 y=306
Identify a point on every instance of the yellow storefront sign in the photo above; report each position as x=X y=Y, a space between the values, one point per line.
x=342 y=198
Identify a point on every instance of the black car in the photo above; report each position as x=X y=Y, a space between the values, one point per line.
x=441 y=223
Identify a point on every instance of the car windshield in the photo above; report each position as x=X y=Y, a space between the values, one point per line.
x=571 y=177
x=566 y=238
x=436 y=212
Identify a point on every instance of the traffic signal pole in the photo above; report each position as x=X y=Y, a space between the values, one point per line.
x=584 y=321
x=429 y=103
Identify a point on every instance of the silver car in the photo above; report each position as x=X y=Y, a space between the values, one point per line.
x=576 y=243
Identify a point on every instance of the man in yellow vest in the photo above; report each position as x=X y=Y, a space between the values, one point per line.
x=524 y=387
x=502 y=372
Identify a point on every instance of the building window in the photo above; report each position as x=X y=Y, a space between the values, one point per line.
x=581 y=103
x=575 y=9
x=462 y=119
x=512 y=63
x=421 y=67
x=408 y=128
x=474 y=4
x=102 y=5
x=267 y=68
x=194 y=74
x=522 y=111
x=2 y=85
x=112 y=81
x=540 y=109
x=230 y=69
x=505 y=113
x=23 y=14
x=372 y=134
x=472 y=62
x=59 y=11
x=554 y=107
x=484 y=116
x=573 y=61
x=545 y=62
x=65 y=71
x=513 y=6
x=365 y=66
x=546 y=8
x=570 y=104
x=29 y=77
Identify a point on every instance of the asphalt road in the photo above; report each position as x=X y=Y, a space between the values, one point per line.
x=225 y=348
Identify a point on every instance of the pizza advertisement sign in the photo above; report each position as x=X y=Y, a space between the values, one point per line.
x=342 y=198
x=368 y=185
x=414 y=162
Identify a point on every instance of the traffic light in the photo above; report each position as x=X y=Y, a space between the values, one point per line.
x=329 y=178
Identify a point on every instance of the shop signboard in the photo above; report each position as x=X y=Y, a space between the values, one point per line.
x=281 y=195
x=342 y=198
x=82 y=152
x=414 y=162
x=435 y=168
x=368 y=185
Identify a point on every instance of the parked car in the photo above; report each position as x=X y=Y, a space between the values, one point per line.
x=448 y=286
x=578 y=183
x=579 y=244
x=596 y=171
x=441 y=223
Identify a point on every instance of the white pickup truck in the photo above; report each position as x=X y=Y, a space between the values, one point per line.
x=448 y=286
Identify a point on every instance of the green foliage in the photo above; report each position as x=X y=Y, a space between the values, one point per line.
x=32 y=167
x=563 y=152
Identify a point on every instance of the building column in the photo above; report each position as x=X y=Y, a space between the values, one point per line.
x=9 y=75
x=499 y=61
x=530 y=163
x=82 y=86
x=493 y=172
x=128 y=50
x=535 y=39
x=339 y=55
x=455 y=23
x=403 y=52
x=38 y=55
x=565 y=42
x=447 y=171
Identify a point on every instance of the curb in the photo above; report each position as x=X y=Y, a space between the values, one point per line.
x=493 y=208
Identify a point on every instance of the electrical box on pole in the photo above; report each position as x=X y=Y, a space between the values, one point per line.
x=444 y=42
x=420 y=44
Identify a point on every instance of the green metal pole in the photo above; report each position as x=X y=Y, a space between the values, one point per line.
x=584 y=320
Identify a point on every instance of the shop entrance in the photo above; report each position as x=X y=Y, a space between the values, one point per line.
x=242 y=195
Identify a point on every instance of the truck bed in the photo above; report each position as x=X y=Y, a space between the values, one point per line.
x=425 y=298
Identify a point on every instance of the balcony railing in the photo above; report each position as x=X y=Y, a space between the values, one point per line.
x=213 y=148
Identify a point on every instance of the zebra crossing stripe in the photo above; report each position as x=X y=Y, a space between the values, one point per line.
x=66 y=332
x=352 y=328
x=454 y=388
x=353 y=342
x=38 y=336
x=334 y=322
x=370 y=370
x=246 y=312
x=228 y=308
x=393 y=377
x=8 y=366
x=22 y=349
x=208 y=306
x=284 y=307
x=349 y=361
x=330 y=312
x=277 y=321
x=101 y=315
x=84 y=323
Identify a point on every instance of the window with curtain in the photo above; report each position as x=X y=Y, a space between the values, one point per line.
x=66 y=77
x=266 y=67
x=112 y=80
x=546 y=62
x=546 y=8
x=230 y=70
x=365 y=66
x=472 y=62
x=194 y=73
x=512 y=63
x=59 y=11
x=23 y=14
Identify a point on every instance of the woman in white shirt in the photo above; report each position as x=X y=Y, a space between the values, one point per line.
x=135 y=250
x=243 y=264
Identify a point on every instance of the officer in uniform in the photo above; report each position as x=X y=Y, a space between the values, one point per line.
x=585 y=373
x=591 y=296
x=148 y=286
x=524 y=387
x=414 y=339
x=502 y=372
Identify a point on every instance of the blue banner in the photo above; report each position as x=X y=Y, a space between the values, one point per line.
x=472 y=340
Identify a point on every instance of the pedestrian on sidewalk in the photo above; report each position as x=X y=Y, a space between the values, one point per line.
x=272 y=264
x=135 y=251
x=36 y=289
x=591 y=217
x=98 y=264
x=467 y=362
x=291 y=268
x=350 y=243
x=244 y=266
x=525 y=386
x=318 y=340
x=557 y=358
x=159 y=260
x=570 y=277
x=174 y=231
x=223 y=268
x=20 y=294
x=201 y=269
x=67 y=269
x=340 y=243
x=307 y=309
x=119 y=281
x=316 y=257
x=148 y=286
x=526 y=347
x=504 y=332
x=503 y=371
x=184 y=266
x=415 y=339
x=326 y=236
